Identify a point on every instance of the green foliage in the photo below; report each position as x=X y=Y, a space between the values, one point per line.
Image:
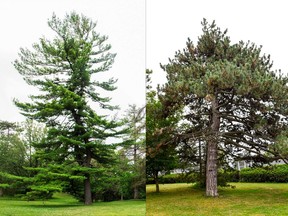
x=230 y=100
x=160 y=147
x=64 y=70
x=175 y=178
x=276 y=173
x=12 y=148
x=265 y=174
x=133 y=152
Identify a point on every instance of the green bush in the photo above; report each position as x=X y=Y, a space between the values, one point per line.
x=278 y=173
x=174 y=178
x=265 y=174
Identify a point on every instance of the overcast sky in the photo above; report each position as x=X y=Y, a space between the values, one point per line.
x=168 y=25
x=171 y=22
x=24 y=22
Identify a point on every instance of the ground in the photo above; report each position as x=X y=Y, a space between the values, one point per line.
x=253 y=199
x=65 y=205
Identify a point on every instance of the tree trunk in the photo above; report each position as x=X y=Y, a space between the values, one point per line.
x=156 y=179
x=1 y=192
x=200 y=162
x=87 y=191
x=211 y=163
x=136 y=192
x=87 y=183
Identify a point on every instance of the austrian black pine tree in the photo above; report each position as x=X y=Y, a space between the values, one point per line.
x=232 y=98
x=64 y=70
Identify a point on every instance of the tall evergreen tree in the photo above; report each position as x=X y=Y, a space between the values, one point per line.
x=64 y=70
x=135 y=146
x=232 y=98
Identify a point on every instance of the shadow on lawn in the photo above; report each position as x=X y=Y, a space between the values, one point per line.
x=59 y=206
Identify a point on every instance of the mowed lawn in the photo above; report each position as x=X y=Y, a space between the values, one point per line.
x=65 y=205
x=253 y=199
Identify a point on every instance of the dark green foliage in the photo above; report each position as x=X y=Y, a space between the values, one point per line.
x=276 y=173
x=160 y=151
x=175 y=178
x=232 y=102
x=265 y=174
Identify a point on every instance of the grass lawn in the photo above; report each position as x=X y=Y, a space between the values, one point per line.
x=255 y=199
x=65 y=205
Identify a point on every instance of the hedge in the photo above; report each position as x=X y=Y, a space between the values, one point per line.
x=278 y=173
x=265 y=174
x=174 y=178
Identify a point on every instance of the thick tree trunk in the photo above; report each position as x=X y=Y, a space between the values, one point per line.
x=87 y=192
x=156 y=179
x=1 y=192
x=211 y=163
x=87 y=183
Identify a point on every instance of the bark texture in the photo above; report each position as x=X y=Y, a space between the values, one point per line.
x=211 y=164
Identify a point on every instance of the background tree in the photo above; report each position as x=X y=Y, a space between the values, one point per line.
x=12 y=149
x=12 y=153
x=135 y=146
x=32 y=134
x=64 y=70
x=232 y=98
x=16 y=153
x=160 y=156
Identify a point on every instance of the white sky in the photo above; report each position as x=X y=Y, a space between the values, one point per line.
x=170 y=22
x=24 y=22
x=168 y=25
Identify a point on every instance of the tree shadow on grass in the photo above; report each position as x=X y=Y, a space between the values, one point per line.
x=58 y=206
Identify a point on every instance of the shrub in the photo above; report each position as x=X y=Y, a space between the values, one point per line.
x=278 y=173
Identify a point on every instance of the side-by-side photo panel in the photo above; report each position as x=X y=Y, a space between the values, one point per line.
x=72 y=117
x=216 y=108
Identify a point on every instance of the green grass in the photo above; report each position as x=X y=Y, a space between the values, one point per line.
x=65 y=205
x=253 y=199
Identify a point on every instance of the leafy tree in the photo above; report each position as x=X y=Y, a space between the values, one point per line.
x=234 y=101
x=32 y=133
x=64 y=70
x=160 y=154
x=12 y=148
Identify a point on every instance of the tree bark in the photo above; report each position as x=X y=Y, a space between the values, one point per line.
x=87 y=191
x=136 y=192
x=87 y=183
x=200 y=162
x=211 y=163
x=1 y=192
x=156 y=179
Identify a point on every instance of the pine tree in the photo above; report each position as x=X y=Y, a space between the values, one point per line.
x=135 y=146
x=233 y=99
x=64 y=70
